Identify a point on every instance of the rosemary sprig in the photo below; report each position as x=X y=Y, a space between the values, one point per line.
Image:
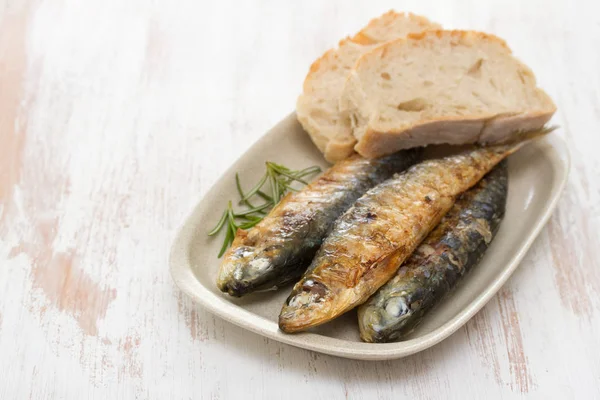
x=280 y=180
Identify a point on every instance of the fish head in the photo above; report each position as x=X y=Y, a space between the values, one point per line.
x=383 y=322
x=308 y=305
x=248 y=266
x=241 y=269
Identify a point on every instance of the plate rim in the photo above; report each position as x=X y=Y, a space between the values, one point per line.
x=182 y=274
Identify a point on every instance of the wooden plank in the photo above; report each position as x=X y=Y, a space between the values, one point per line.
x=117 y=116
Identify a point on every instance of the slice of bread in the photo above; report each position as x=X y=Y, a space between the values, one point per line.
x=435 y=87
x=317 y=107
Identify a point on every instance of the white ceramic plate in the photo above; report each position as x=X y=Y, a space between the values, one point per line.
x=537 y=176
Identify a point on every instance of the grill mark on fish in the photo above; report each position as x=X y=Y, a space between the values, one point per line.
x=281 y=246
x=454 y=247
x=398 y=206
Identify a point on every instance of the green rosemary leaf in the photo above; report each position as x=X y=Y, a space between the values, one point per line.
x=249 y=225
x=255 y=188
x=244 y=199
x=264 y=196
x=274 y=186
x=228 y=239
x=219 y=225
x=253 y=210
x=252 y=217
x=292 y=177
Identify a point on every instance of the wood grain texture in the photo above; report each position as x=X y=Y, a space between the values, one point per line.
x=116 y=116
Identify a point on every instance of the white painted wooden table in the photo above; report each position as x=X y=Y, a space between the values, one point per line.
x=117 y=116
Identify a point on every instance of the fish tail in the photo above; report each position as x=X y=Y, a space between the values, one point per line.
x=537 y=133
x=520 y=139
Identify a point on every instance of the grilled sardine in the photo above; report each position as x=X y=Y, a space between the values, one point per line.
x=281 y=246
x=450 y=250
x=374 y=237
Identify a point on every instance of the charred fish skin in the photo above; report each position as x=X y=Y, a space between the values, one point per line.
x=453 y=248
x=281 y=246
x=375 y=236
